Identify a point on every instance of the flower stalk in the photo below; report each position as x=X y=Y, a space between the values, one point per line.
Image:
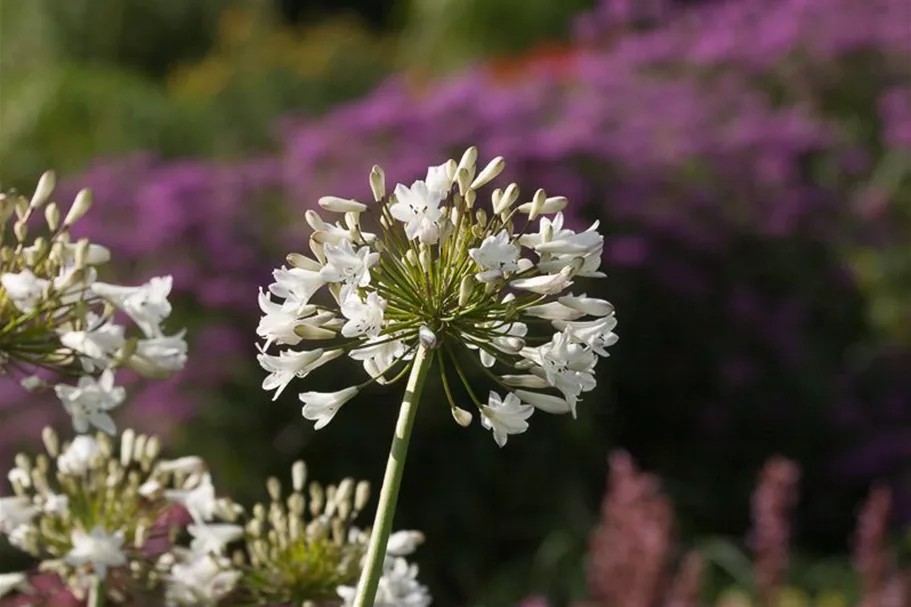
x=96 y=593
x=392 y=481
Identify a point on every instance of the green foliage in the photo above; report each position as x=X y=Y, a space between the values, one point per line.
x=443 y=35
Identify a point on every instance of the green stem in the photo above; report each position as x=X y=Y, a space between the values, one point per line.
x=392 y=480
x=96 y=593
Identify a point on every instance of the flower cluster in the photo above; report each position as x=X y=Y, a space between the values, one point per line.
x=447 y=275
x=58 y=318
x=304 y=547
x=90 y=512
x=155 y=529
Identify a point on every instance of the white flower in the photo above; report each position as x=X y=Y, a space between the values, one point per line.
x=13 y=582
x=403 y=543
x=496 y=256
x=89 y=400
x=364 y=317
x=565 y=364
x=99 y=549
x=418 y=207
x=200 y=581
x=596 y=334
x=297 y=285
x=288 y=365
x=97 y=344
x=321 y=407
x=146 y=304
x=505 y=417
x=24 y=289
x=398 y=587
x=80 y=456
x=345 y=265
x=213 y=538
x=200 y=501
x=159 y=356
x=378 y=355
x=545 y=402
x=438 y=181
x=15 y=511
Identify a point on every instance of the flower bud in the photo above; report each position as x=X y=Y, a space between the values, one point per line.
x=81 y=205
x=510 y=195
x=377 y=183
x=465 y=290
x=493 y=168
x=463 y=178
x=52 y=216
x=298 y=475
x=461 y=416
x=341 y=205
x=537 y=204
x=361 y=495
x=427 y=337
x=43 y=190
x=468 y=160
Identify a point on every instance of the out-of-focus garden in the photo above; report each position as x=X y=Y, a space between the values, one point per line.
x=749 y=162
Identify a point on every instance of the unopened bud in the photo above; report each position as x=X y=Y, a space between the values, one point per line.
x=81 y=205
x=463 y=178
x=493 y=168
x=126 y=446
x=468 y=160
x=298 y=475
x=51 y=442
x=470 y=197
x=461 y=416
x=361 y=495
x=20 y=229
x=274 y=487
x=537 y=203
x=465 y=289
x=427 y=338
x=43 y=190
x=510 y=195
x=52 y=216
x=377 y=183
x=341 y=205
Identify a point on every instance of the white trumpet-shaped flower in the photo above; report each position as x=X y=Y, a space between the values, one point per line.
x=344 y=264
x=418 y=207
x=321 y=407
x=505 y=417
x=89 y=401
x=99 y=549
x=496 y=256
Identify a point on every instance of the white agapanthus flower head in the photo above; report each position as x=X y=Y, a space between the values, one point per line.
x=97 y=509
x=56 y=315
x=428 y=268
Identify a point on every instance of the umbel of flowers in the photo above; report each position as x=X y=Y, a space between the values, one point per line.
x=100 y=516
x=57 y=319
x=432 y=276
x=117 y=525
